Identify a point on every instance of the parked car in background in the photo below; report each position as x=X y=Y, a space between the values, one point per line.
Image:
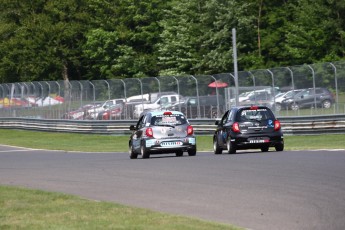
x=260 y=96
x=162 y=102
x=277 y=102
x=131 y=109
x=81 y=113
x=248 y=127
x=309 y=98
x=208 y=106
x=159 y=132
x=113 y=112
x=92 y=113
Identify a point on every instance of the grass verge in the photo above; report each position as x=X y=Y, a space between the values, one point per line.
x=33 y=209
x=105 y=143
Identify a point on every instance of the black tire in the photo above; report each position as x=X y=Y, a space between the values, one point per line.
x=192 y=152
x=216 y=148
x=264 y=149
x=179 y=153
x=144 y=152
x=230 y=147
x=132 y=153
x=279 y=147
x=326 y=104
x=294 y=106
x=213 y=113
x=278 y=107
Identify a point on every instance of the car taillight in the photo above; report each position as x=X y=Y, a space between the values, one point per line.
x=190 y=130
x=276 y=125
x=149 y=132
x=236 y=127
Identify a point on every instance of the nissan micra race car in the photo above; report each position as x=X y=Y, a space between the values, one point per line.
x=248 y=127
x=159 y=132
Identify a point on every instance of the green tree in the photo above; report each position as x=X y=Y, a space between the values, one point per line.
x=197 y=36
x=220 y=17
x=316 y=32
x=272 y=18
x=122 y=43
x=41 y=40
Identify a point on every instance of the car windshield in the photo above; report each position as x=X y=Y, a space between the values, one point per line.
x=170 y=120
x=281 y=95
x=257 y=114
x=304 y=92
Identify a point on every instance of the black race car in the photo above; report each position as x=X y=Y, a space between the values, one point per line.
x=161 y=132
x=249 y=127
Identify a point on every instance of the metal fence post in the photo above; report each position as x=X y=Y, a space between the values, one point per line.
x=253 y=77
x=336 y=85
x=274 y=93
x=107 y=83
x=197 y=94
x=313 y=74
x=215 y=80
x=178 y=92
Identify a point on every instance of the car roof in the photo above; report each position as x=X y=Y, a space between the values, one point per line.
x=250 y=106
x=157 y=113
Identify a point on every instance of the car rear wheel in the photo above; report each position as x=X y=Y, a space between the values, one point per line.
x=230 y=147
x=216 y=147
x=132 y=153
x=326 y=104
x=264 y=149
x=144 y=152
x=279 y=147
x=179 y=153
x=192 y=152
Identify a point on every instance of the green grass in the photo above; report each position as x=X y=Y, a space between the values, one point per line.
x=64 y=141
x=32 y=209
x=105 y=143
x=325 y=141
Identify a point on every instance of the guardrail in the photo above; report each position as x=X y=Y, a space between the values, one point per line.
x=305 y=125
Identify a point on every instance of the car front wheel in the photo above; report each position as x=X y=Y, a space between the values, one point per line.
x=278 y=107
x=326 y=104
x=294 y=106
x=216 y=149
x=132 y=153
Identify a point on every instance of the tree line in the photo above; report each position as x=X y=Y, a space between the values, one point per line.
x=96 y=39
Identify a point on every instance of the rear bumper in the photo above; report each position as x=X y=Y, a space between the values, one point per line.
x=170 y=145
x=257 y=141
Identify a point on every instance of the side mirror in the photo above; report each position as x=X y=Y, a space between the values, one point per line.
x=132 y=127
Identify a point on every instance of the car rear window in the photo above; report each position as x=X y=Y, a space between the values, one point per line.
x=171 y=119
x=254 y=114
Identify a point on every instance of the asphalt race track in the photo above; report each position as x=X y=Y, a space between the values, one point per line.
x=254 y=190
